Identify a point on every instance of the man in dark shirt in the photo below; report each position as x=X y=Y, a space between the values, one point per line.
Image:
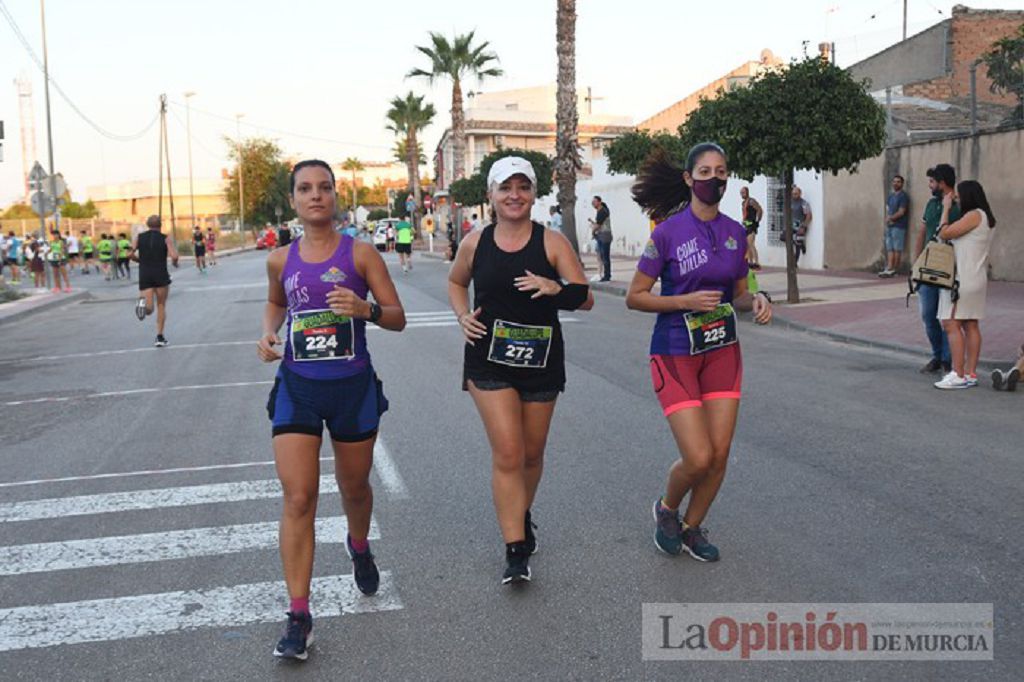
x=941 y=180
x=897 y=218
x=150 y=250
x=601 y=229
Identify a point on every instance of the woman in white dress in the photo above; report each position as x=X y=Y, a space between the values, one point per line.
x=972 y=238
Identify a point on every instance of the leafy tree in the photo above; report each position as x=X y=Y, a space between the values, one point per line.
x=408 y=115
x=73 y=209
x=398 y=205
x=626 y=153
x=810 y=115
x=472 y=191
x=377 y=214
x=1005 y=62
x=567 y=154
x=400 y=154
x=265 y=178
x=455 y=61
x=19 y=211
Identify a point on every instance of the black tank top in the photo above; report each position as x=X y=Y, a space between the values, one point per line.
x=494 y=272
x=152 y=248
x=751 y=216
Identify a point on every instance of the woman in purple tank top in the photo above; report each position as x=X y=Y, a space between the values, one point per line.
x=318 y=290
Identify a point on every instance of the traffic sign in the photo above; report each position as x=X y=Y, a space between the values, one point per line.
x=57 y=180
x=42 y=203
x=427 y=201
x=36 y=176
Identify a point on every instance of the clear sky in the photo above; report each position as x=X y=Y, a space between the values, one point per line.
x=327 y=69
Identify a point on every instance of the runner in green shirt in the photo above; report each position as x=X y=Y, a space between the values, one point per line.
x=124 y=248
x=403 y=244
x=106 y=251
x=58 y=257
x=88 y=251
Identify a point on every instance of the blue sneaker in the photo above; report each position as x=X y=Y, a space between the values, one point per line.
x=298 y=636
x=668 y=530
x=695 y=540
x=366 y=574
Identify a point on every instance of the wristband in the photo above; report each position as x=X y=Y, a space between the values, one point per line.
x=765 y=294
x=572 y=296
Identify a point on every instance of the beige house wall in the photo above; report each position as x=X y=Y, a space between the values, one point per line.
x=854 y=203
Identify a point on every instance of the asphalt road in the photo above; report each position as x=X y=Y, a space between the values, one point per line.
x=851 y=480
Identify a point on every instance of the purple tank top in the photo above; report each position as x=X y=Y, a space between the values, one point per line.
x=320 y=344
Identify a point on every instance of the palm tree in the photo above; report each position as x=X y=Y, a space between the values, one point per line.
x=457 y=60
x=353 y=164
x=399 y=153
x=408 y=115
x=567 y=156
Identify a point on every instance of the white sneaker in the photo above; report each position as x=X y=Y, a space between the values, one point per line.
x=952 y=380
x=971 y=379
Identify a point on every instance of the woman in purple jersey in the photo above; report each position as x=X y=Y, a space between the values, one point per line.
x=319 y=285
x=696 y=368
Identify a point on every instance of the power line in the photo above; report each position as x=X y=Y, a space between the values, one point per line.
x=280 y=131
x=219 y=157
x=74 y=107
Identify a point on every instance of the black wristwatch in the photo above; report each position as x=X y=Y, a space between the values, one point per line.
x=375 y=312
x=765 y=294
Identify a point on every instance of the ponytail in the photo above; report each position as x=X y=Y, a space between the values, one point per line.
x=660 y=189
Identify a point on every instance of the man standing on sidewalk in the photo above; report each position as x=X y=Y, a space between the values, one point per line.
x=802 y=217
x=897 y=219
x=941 y=181
x=601 y=228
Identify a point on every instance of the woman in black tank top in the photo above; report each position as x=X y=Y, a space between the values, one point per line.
x=514 y=358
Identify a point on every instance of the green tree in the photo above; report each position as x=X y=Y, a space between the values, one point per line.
x=398 y=205
x=408 y=115
x=1005 y=62
x=19 y=211
x=401 y=155
x=455 y=61
x=472 y=191
x=353 y=165
x=265 y=178
x=567 y=155
x=626 y=153
x=810 y=115
x=73 y=209
x=377 y=214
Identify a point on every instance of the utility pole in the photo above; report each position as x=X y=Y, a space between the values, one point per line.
x=241 y=182
x=188 y=134
x=904 y=19
x=49 y=131
x=589 y=99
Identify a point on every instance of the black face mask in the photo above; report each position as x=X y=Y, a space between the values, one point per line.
x=709 y=191
x=937 y=193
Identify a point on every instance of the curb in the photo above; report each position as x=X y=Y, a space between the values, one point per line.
x=54 y=301
x=987 y=364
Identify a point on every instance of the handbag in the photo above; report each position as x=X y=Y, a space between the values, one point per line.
x=935 y=266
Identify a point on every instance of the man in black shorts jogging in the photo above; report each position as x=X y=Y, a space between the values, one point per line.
x=151 y=250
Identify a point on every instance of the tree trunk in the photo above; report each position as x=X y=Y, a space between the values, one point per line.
x=792 y=291
x=567 y=158
x=458 y=133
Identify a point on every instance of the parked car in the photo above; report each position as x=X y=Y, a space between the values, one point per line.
x=380 y=234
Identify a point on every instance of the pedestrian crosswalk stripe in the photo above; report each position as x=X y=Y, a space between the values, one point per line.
x=163 y=546
x=160 y=498
x=386 y=471
x=101 y=620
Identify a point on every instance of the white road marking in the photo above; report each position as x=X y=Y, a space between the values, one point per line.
x=387 y=472
x=162 y=546
x=104 y=620
x=146 y=472
x=134 y=391
x=159 y=498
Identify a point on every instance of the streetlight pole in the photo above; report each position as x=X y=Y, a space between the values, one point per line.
x=49 y=131
x=241 y=182
x=188 y=134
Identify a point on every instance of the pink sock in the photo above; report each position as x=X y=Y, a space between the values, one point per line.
x=359 y=546
x=300 y=605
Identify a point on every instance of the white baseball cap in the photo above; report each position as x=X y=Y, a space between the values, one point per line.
x=505 y=168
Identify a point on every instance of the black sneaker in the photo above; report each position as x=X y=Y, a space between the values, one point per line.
x=366 y=574
x=695 y=541
x=531 y=536
x=1012 y=377
x=298 y=636
x=933 y=366
x=517 y=563
x=160 y=341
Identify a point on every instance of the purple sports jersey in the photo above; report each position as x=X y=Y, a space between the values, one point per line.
x=688 y=254
x=320 y=344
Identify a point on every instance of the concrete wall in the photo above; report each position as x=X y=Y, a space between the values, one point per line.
x=921 y=57
x=854 y=204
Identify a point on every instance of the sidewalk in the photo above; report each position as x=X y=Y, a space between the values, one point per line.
x=858 y=307
x=37 y=300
